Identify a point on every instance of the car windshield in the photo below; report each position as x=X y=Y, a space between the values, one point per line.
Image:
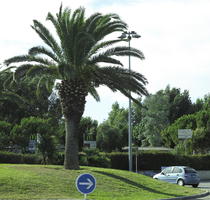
x=189 y=170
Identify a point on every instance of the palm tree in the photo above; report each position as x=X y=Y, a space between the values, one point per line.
x=74 y=57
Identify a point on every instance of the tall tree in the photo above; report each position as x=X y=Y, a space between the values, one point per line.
x=180 y=103
x=155 y=118
x=75 y=59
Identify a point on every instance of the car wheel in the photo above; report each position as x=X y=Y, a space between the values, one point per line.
x=180 y=182
x=195 y=185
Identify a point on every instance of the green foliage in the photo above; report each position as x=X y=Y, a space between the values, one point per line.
x=5 y=138
x=200 y=124
x=9 y=157
x=34 y=127
x=154 y=161
x=108 y=138
x=96 y=158
x=22 y=97
x=112 y=134
x=155 y=118
x=89 y=157
x=119 y=160
x=87 y=130
x=170 y=134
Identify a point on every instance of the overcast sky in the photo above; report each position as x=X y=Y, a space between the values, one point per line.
x=175 y=38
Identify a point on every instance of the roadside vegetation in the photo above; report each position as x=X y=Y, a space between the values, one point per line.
x=47 y=181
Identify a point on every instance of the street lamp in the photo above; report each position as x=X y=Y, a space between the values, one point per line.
x=129 y=35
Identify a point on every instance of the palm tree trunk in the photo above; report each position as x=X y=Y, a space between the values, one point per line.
x=71 y=160
x=72 y=94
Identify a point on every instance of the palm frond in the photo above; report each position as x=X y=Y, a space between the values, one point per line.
x=92 y=21
x=42 y=50
x=28 y=58
x=13 y=97
x=47 y=81
x=102 y=58
x=8 y=82
x=124 y=51
x=102 y=45
x=41 y=70
x=47 y=38
x=121 y=79
x=94 y=93
x=21 y=71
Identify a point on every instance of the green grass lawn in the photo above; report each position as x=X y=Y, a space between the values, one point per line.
x=51 y=182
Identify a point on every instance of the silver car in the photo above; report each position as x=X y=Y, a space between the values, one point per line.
x=180 y=175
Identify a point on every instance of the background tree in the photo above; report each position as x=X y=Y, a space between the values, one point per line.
x=112 y=134
x=118 y=119
x=41 y=131
x=179 y=102
x=108 y=138
x=137 y=117
x=87 y=130
x=74 y=59
x=198 y=122
x=24 y=98
x=155 y=118
x=5 y=137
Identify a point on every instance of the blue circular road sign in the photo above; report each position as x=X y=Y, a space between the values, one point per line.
x=86 y=183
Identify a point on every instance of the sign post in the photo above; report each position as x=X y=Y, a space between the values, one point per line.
x=185 y=134
x=86 y=183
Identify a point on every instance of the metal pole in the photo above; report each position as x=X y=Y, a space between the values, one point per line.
x=129 y=116
x=129 y=35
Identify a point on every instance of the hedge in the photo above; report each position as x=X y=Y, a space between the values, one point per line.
x=154 y=161
x=118 y=160
x=16 y=158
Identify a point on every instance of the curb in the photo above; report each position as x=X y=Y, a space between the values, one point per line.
x=188 y=197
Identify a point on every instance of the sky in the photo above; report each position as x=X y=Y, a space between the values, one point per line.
x=175 y=39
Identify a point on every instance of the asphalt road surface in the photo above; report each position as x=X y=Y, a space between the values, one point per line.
x=205 y=185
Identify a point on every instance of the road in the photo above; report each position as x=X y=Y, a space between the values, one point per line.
x=205 y=185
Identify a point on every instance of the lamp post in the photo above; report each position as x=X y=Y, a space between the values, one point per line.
x=129 y=35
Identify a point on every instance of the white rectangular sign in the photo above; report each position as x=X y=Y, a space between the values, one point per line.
x=90 y=144
x=184 y=133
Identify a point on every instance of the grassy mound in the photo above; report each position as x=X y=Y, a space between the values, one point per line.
x=53 y=182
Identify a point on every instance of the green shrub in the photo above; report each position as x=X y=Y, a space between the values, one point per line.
x=118 y=160
x=100 y=160
x=31 y=159
x=83 y=160
x=9 y=157
x=154 y=161
x=16 y=158
x=96 y=158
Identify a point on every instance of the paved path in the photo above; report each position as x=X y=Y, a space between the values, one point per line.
x=205 y=185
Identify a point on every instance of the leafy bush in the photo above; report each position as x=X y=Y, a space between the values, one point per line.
x=118 y=160
x=90 y=157
x=9 y=157
x=5 y=138
x=96 y=158
x=31 y=159
x=154 y=161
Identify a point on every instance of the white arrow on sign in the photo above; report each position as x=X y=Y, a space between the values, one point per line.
x=89 y=183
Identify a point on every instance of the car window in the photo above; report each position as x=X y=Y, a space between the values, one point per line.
x=189 y=170
x=167 y=170
x=177 y=170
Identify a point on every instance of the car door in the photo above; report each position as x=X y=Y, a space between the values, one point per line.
x=166 y=174
x=176 y=173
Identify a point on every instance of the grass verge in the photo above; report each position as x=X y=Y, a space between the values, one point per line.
x=53 y=182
